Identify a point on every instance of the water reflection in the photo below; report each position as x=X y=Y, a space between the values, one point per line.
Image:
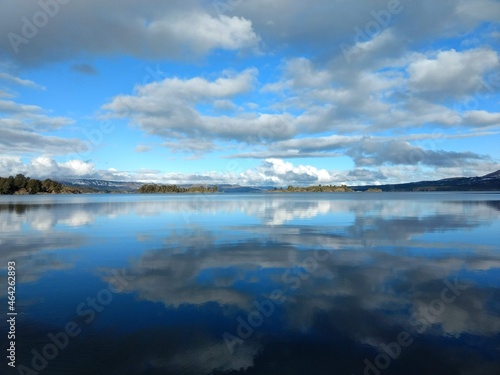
x=265 y=284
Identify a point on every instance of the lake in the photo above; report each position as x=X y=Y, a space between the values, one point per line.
x=328 y=283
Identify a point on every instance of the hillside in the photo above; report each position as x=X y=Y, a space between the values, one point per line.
x=489 y=182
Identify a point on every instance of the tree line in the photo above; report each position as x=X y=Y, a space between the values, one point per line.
x=155 y=188
x=316 y=189
x=20 y=184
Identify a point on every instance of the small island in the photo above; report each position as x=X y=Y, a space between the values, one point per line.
x=314 y=189
x=374 y=190
x=163 y=189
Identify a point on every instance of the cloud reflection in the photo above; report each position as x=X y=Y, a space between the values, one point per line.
x=375 y=262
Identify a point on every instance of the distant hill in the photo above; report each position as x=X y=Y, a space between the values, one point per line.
x=103 y=186
x=225 y=188
x=489 y=182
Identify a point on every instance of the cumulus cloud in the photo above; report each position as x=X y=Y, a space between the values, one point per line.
x=168 y=109
x=285 y=171
x=43 y=167
x=451 y=73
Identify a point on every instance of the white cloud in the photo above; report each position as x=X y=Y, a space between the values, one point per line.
x=285 y=170
x=225 y=32
x=451 y=73
x=45 y=167
x=19 y=81
x=77 y=168
x=22 y=126
x=168 y=109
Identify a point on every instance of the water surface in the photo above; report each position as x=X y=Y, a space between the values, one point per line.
x=359 y=283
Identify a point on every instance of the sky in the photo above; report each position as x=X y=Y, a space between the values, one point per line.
x=250 y=92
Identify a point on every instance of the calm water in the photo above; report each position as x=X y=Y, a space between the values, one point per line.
x=253 y=284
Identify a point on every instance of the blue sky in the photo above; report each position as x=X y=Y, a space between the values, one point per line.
x=254 y=92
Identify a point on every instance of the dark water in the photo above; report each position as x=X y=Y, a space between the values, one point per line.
x=253 y=284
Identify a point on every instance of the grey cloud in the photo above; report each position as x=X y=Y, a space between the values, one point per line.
x=366 y=175
x=329 y=143
x=325 y=26
x=320 y=147
x=20 y=142
x=153 y=30
x=369 y=152
x=85 y=69
x=283 y=154
x=143 y=148
x=482 y=118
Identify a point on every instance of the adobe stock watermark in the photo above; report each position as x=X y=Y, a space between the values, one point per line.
x=484 y=90
x=266 y=134
x=223 y=7
x=420 y=321
x=31 y=26
x=380 y=21
x=265 y=308
x=93 y=138
x=86 y=310
x=153 y=75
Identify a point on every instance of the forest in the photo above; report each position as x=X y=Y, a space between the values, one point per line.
x=21 y=184
x=315 y=189
x=155 y=188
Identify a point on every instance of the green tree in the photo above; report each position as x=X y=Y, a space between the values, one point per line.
x=7 y=185
x=10 y=187
x=19 y=181
x=33 y=186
